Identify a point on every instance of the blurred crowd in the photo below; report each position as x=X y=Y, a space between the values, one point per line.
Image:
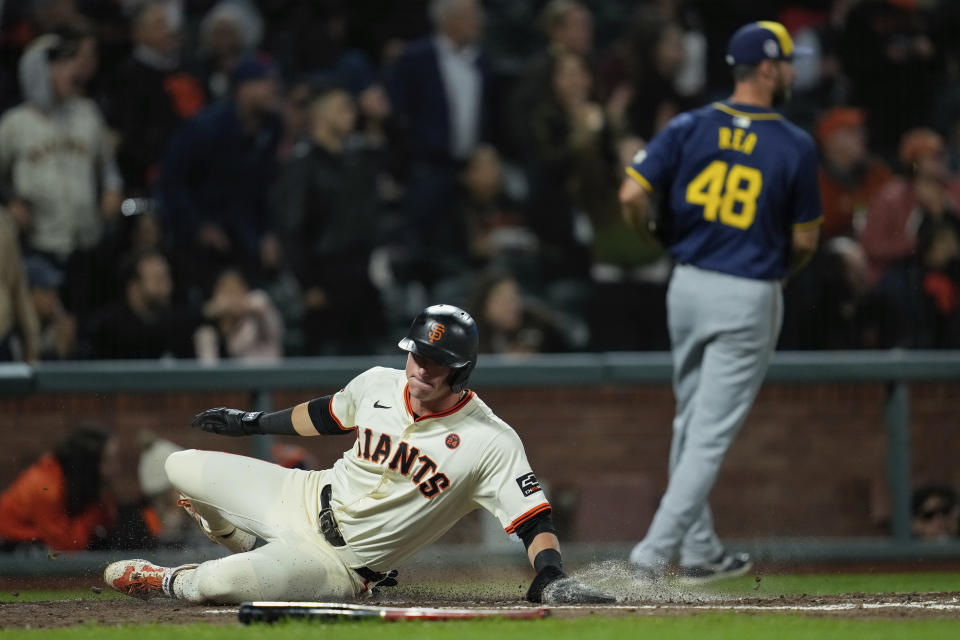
x=251 y=179
x=73 y=497
x=76 y=497
x=66 y=500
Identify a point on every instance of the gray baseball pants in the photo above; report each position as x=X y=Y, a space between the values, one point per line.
x=723 y=331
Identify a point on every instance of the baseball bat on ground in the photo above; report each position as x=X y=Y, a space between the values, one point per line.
x=251 y=612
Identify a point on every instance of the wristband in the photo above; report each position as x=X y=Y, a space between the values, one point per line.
x=547 y=558
x=250 y=422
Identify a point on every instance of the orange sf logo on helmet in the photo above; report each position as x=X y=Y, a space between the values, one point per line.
x=436 y=331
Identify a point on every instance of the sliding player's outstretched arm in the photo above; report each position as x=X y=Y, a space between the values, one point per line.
x=311 y=418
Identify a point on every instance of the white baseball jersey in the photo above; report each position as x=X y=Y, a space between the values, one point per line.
x=53 y=162
x=407 y=480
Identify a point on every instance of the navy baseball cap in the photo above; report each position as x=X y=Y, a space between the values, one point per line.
x=253 y=67
x=753 y=43
x=43 y=274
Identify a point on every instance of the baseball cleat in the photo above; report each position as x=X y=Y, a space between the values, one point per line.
x=235 y=540
x=646 y=573
x=728 y=565
x=141 y=578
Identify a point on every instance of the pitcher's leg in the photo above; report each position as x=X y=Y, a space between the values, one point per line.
x=687 y=343
x=700 y=544
x=734 y=364
x=687 y=348
x=708 y=436
x=686 y=377
x=733 y=369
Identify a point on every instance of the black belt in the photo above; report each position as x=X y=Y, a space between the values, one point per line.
x=331 y=531
x=328 y=524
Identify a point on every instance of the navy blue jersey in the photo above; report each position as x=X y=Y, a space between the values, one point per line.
x=735 y=179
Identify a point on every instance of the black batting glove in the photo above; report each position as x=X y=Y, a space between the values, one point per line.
x=550 y=573
x=389 y=580
x=569 y=591
x=228 y=422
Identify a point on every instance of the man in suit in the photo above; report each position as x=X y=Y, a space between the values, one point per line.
x=150 y=95
x=440 y=90
x=440 y=85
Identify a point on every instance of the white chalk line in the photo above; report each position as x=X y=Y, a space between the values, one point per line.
x=846 y=606
x=813 y=608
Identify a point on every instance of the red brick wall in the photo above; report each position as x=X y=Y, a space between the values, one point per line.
x=810 y=460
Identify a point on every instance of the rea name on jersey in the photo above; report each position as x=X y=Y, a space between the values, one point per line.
x=734 y=179
x=407 y=480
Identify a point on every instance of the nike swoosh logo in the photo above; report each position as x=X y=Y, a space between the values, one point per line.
x=377 y=405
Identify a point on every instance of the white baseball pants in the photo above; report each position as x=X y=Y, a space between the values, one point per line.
x=273 y=503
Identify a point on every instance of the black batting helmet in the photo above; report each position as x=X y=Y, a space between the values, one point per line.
x=448 y=335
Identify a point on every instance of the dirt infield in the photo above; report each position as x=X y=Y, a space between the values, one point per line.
x=95 y=603
x=109 y=611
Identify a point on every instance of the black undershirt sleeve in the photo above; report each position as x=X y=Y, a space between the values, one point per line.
x=277 y=423
x=322 y=417
x=536 y=525
x=281 y=422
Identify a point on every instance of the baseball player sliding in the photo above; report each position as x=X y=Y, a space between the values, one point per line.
x=739 y=187
x=427 y=451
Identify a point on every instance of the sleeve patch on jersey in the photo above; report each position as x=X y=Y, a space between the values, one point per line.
x=528 y=484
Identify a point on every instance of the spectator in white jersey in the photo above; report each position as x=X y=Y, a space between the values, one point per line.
x=58 y=177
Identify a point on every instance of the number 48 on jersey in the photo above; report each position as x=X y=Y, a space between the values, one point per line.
x=727 y=192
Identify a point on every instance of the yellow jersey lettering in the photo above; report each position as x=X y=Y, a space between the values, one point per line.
x=743 y=185
x=727 y=193
x=736 y=139
x=725 y=136
x=706 y=189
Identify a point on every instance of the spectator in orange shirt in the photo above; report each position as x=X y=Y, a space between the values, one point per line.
x=927 y=193
x=62 y=500
x=849 y=176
